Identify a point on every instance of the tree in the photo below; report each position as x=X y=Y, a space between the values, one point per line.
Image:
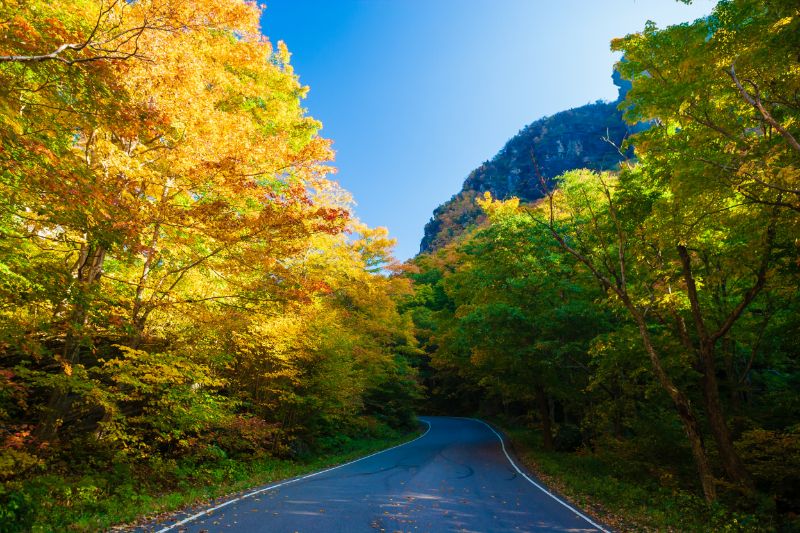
x=167 y=216
x=723 y=93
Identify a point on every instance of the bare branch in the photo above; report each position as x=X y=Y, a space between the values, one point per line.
x=755 y=101
x=98 y=40
x=618 y=148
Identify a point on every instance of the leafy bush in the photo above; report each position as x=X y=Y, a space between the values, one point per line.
x=773 y=458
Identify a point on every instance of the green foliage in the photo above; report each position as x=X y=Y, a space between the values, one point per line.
x=172 y=402
x=629 y=495
x=648 y=316
x=98 y=499
x=760 y=448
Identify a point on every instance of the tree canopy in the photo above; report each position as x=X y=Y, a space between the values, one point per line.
x=651 y=308
x=180 y=279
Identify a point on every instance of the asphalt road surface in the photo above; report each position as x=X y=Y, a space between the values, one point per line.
x=456 y=477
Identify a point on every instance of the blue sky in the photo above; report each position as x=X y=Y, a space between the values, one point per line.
x=416 y=93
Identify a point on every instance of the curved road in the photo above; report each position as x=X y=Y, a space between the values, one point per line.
x=456 y=477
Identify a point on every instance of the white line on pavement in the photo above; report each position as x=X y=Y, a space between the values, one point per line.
x=282 y=484
x=538 y=486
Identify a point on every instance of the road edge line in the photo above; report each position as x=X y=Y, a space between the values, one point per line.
x=537 y=485
x=284 y=483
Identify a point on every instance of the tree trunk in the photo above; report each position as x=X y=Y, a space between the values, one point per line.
x=682 y=406
x=137 y=316
x=544 y=415
x=731 y=462
x=679 y=400
x=616 y=419
x=138 y=313
x=88 y=272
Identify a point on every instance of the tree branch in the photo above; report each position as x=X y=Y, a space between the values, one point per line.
x=761 y=279
x=755 y=101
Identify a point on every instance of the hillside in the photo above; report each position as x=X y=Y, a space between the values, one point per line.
x=568 y=140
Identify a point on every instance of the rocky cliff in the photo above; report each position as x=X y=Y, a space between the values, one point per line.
x=576 y=138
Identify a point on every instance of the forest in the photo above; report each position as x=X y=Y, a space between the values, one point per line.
x=647 y=318
x=188 y=303
x=183 y=289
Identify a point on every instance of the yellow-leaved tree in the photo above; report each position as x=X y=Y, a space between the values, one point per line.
x=179 y=277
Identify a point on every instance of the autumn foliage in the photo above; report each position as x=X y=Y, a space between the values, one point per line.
x=179 y=278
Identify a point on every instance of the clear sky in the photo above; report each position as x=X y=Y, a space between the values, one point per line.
x=416 y=93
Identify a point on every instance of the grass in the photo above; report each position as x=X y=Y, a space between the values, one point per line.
x=118 y=498
x=626 y=495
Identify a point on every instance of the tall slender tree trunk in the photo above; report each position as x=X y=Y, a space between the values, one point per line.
x=682 y=405
x=679 y=400
x=729 y=457
x=732 y=464
x=139 y=312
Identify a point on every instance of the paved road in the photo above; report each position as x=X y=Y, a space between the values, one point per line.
x=456 y=477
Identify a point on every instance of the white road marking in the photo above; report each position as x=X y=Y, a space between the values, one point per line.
x=282 y=484
x=538 y=486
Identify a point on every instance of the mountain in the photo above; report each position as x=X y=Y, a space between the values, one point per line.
x=576 y=138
